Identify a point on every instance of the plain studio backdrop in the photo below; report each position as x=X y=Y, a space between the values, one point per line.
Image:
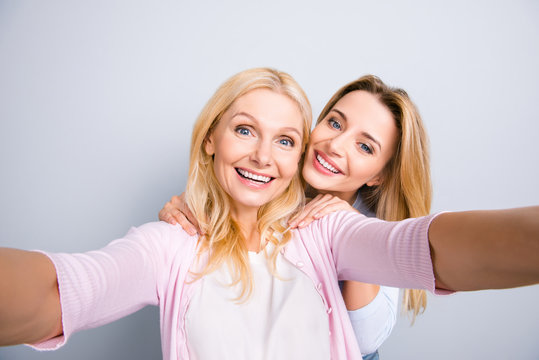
x=98 y=98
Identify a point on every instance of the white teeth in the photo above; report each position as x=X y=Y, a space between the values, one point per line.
x=325 y=164
x=260 y=178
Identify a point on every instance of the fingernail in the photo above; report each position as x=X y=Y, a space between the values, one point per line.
x=301 y=224
x=316 y=216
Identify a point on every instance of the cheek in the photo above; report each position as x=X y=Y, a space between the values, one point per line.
x=315 y=136
x=309 y=148
x=220 y=162
x=365 y=170
x=289 y=167
x=320 y=132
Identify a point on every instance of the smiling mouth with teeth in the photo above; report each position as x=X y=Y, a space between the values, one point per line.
x=326 y=165
x=257 y=178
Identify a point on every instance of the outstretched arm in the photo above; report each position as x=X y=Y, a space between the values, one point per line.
x=29 y=301
x=493 y=249
x=461 y=251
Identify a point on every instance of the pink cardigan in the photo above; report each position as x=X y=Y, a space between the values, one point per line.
x=149 y=266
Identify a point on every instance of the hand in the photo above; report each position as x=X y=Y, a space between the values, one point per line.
x=176 y=212
x=321 y=205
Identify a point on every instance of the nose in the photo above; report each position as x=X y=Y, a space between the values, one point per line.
x=337 y=145
x=262 y=154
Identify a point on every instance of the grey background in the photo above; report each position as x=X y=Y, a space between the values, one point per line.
x=97 y=100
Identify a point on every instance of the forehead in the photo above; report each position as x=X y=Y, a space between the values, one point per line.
x=362 y=105
x=267 y=107
x=359 y=98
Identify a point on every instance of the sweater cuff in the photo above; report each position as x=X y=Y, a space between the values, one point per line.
x=58 y=341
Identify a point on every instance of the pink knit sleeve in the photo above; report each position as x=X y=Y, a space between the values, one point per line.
x=101 y=286
x=381 y=252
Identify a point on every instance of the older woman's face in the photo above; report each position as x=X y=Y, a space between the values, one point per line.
x=350 y=146
x=257 y=147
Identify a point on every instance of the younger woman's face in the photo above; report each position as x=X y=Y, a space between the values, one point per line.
x=350 y=146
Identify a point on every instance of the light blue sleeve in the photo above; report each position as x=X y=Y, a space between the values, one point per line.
x=374 y=322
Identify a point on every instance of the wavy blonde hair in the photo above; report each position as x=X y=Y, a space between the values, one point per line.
x=211 y=205
x=406 y=188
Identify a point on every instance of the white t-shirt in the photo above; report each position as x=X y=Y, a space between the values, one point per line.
x=289 y=298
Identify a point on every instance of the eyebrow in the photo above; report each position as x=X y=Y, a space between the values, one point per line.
x=366 y=134
x=288 y=128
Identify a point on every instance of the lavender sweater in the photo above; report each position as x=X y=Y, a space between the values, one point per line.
x=149 y=266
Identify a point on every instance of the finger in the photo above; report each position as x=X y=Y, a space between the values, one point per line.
x=160 y=215
x=321 y=201
x=185 y=224
x=176 y=201
x=323 y=207
x=181 y=205
x=309 y=210
x=293 y=223
x=333 y=207
x=333 y=202
x=169 y=219
x=309 y=217
x=299 y=218
x=167 y=208
x=192 y=219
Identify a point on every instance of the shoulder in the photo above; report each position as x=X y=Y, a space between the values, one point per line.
x=159 y=229
x=159 y=234
x=325 y=228
x=340 y=227
x=341 y=220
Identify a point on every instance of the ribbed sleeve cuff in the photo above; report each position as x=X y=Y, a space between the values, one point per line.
x=67 y=300
x=413 y=257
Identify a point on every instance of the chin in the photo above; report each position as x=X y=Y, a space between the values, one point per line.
x=314 y=180
x=254 y=203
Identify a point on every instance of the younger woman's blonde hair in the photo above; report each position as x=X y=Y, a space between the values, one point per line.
x=406 y=189
x=211 y=205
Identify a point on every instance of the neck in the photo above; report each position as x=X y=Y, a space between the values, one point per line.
x=349 y=197
x=248 y=223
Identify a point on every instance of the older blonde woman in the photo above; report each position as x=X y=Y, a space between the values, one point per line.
x=248 y=288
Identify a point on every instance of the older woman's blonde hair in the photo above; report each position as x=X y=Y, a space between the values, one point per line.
x=211 y=205
x=406 y=188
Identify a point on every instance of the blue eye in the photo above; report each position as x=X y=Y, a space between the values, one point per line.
x=365 y=148
x=334 y=124
x=243 y=131
x=286 y=142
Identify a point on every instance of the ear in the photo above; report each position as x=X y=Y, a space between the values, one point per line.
x=209 y=146
x=375 y=181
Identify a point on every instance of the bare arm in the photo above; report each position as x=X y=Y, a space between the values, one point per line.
x=29 y=301
x=358 y=294
x=485 y=249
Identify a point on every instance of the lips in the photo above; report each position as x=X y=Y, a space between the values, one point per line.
x=258 y=178
x=324 y=164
